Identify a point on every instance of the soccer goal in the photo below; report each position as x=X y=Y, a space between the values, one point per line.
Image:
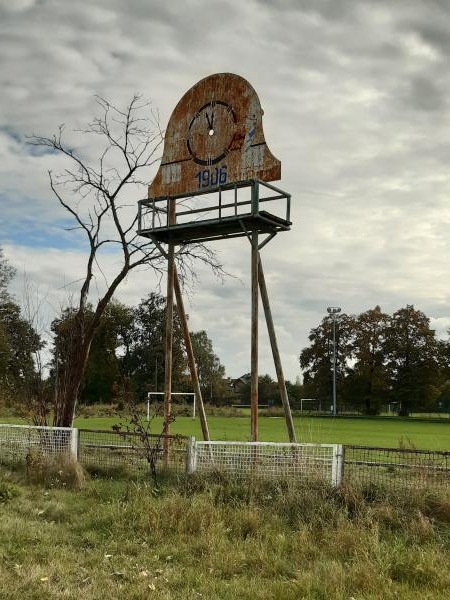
x=309 y=405
x=150 y=394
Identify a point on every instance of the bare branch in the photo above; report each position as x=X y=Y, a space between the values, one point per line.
x=94 y=196
x=72 y=211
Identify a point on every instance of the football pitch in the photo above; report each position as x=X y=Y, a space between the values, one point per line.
x=390 y=432
x=387 y=433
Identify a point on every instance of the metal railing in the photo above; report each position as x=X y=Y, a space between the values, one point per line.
x=109 y=450
x=228 y=205
x=17 y=442
x=396 y=468
x=100 y=449
x=270 y=459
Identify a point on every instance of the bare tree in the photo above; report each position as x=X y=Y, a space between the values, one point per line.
x=95 y=198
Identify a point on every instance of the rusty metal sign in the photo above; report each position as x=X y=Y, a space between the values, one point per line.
x=214 y=137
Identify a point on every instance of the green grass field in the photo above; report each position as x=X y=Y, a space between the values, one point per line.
x=389 y=432
x=219 y=539
x=386 y=433
x=213 y=537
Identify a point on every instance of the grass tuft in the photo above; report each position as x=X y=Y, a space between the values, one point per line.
x=215 y=537
x=59 y=470
x=8 y=491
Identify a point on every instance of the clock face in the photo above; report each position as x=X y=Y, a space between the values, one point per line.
x=211 y=133
x=214 y=138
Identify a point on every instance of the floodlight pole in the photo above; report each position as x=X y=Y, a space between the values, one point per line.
x=333 y=311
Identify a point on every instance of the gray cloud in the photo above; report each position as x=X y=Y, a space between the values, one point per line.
x=355 y=99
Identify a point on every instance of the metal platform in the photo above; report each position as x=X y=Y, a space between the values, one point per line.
x=214 y=229
x=213 y=221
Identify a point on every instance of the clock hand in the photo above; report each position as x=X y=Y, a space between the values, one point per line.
x=210 y=122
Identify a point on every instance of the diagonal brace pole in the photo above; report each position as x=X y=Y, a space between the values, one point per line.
x=275 y=352
x=190 y=355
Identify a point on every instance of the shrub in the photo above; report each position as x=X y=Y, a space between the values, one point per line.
x=58 y=470
x=8 y=491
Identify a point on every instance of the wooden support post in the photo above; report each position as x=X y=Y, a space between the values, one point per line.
x=169 y=336
x=191 y=359
x=276 y=353
x=254 y=339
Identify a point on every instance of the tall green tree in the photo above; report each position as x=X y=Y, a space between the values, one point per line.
x=19 y=345
x=295 y=392
x=210 y=371
x=103 y=373
x=143 y=361
x=144 y=358
x=23 y=342
x=444 y=353
x=103 y=379
x=7 y=272
x=444 y=397
x=366 y=383
x=412 y=360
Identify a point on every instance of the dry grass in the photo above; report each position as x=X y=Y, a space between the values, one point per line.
x=55 y=470
x=216 y=538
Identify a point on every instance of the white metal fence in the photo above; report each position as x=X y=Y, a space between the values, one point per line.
x=106 y=449
x=17 y=441
x=307 y=461
x=321 y=461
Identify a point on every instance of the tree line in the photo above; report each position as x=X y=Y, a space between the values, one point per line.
x=127 y=355
x=126 y=358
x=381 y=359
x=20 y=345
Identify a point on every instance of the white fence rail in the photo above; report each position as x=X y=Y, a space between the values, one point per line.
x=320 y=461
x=16 y=442
x=395 y=468
x=307 y=461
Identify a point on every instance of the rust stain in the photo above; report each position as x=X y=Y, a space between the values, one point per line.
x=214 y=136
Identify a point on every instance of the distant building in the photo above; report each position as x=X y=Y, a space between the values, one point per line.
x=239 y=384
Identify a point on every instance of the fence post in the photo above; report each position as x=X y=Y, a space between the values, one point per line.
x=191 y=455
x=74 y=443
x=337 y=466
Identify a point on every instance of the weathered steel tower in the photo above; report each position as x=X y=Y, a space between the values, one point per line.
x=212 y=184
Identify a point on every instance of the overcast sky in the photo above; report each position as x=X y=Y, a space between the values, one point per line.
x=356 y=108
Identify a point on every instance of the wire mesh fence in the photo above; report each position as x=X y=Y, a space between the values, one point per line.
x=17 y=442
x=397 y=468
x=108 y=450
x=129 y=452
x=308 y=461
